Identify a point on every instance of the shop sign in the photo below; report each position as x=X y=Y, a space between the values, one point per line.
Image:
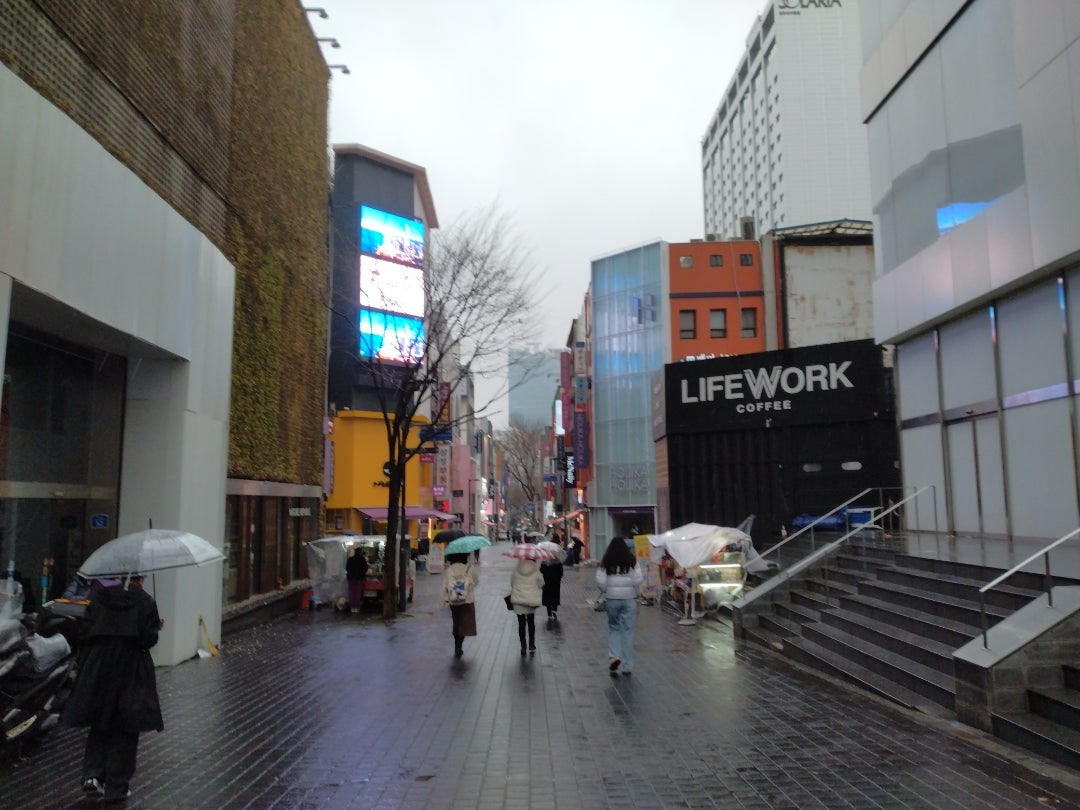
x=299 y=511
x=795 y=6
x=571 y=471
x=581 y=389
x=580 y=437
x=830 y=383
x=427 y=458
x=565 y=372
x=579 y=358
x=629 y=478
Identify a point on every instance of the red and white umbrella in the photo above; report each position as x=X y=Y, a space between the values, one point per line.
x=527 y=551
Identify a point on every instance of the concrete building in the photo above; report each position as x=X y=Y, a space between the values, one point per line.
x=975 y=159
x=383 y=213
x=786 y=144
x=162 y=277
x=533 y=378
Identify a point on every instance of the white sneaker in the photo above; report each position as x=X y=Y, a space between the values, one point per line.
x=92 y=787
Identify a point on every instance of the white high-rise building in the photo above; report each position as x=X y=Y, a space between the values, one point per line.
x=787 y=145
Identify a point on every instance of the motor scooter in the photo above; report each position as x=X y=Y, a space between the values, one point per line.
x=37 y=675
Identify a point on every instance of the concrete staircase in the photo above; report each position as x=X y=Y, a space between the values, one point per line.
x=1051 y=727
x=889 y=622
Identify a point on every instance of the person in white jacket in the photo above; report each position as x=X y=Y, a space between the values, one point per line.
x=619 y=577
x=459 y=581
x=526 y=584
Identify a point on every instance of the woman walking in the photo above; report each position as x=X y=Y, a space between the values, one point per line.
x=619 y=577
x=459 y=581
x=552 y=572
x=116 y=691
x=526 y=584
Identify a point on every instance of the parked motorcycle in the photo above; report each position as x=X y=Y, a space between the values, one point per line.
x=37 y=674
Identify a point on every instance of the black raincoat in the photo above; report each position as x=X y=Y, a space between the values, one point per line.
x=116 y=689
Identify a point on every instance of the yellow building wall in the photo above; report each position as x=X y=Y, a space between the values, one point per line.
x=360 y=450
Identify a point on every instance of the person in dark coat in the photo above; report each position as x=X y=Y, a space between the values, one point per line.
x=115 y=692
x=552 y=571
x=356 y=569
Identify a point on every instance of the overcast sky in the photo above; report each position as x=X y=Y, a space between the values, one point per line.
x=581 y=119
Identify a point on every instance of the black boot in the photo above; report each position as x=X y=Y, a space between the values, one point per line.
x=458 y=641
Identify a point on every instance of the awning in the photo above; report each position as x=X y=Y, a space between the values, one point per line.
x=411 y=513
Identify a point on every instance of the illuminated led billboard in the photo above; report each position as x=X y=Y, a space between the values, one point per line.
x=388 y=236
x=391 y=287
x=391 y=337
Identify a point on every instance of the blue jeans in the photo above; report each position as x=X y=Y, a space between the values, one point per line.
x=621 y=617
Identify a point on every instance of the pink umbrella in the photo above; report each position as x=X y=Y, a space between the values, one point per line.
x=527 y=551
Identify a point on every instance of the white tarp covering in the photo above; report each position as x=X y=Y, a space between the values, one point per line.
x=695 y=543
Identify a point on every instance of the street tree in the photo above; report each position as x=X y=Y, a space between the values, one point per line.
x=523 y=447
x=478 y=283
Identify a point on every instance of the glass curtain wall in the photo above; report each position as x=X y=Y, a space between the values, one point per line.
x=627 y=350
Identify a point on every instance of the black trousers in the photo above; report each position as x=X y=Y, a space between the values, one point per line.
x=110 y=758
x=527 y=620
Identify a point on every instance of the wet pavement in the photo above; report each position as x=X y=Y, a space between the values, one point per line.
x=329 y=710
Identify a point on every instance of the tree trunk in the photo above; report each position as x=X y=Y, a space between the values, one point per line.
x=391 y=553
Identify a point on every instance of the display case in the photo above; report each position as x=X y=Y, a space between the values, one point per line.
x=722 y=580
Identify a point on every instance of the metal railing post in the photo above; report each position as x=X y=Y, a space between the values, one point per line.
x=1049 y=581
x=982 y=613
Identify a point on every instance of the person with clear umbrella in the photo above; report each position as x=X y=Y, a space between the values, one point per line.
x=115 y=693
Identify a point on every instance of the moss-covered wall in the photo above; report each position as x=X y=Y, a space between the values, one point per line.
x=279 y=196
x=219 y=106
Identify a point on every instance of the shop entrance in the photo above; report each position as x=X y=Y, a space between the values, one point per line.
x=60 y=431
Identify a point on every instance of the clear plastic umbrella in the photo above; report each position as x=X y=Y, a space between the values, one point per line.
x=148 y=551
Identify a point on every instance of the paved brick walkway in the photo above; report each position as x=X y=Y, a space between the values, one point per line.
x=332 y=711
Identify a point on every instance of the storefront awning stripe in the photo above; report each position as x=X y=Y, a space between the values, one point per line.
x=411 y=513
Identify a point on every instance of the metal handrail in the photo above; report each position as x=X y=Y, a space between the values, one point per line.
x=1045 y=554
x=791 y=537
x=786 y=574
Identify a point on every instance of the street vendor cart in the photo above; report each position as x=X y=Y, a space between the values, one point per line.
x=326 y=566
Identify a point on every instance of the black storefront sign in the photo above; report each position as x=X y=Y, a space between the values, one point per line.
x=812 y=385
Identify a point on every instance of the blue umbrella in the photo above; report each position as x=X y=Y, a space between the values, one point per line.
x=470 y=542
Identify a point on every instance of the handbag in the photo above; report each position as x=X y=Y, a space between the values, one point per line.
x=509 y=604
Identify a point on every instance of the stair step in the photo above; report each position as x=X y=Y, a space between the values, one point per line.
x=946 y=631
x=916 y=677
x=832 y=588
x=1062 y=706
x=797 y=613
x=763 y=637
x=948 y=607
x=1029 y=580
x=860 y=563
x=1051 y=740
x=778 y=626
x=813 y=655
x=1003 y=595
x=918 y=648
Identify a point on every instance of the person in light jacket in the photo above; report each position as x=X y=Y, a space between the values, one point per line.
x=526 y=586
x=619 y=577
x=462 y=613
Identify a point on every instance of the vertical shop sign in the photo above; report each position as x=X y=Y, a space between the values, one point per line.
x=581 y=389
x=564 y=369
x=442 y=467
x=581 y=438
x=579 y=358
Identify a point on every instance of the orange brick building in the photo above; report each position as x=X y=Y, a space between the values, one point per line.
x=716 y=298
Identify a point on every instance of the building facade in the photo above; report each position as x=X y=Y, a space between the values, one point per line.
x=383 y=214
x=785 y=146
x=629 y=343
x=975 y=160
x=533 y=377
x=716 y=300
x=162 y=290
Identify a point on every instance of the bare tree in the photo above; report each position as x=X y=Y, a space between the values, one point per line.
x=523 y=446
x=478 y=284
